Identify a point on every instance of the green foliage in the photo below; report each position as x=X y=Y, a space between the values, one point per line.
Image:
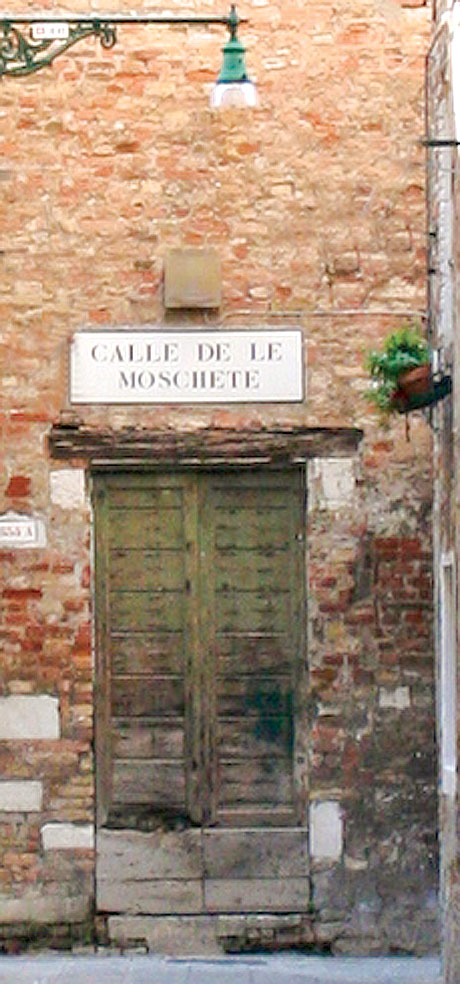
x=404 y=349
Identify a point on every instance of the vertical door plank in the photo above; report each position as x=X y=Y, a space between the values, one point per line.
x=103 y=736
x=207 y=575
x=193 y=681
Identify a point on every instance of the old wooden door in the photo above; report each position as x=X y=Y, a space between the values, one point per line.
x=201 y=786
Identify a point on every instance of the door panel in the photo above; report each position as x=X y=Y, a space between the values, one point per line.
x=253 y=526
x=201 y=691
x=141 y=564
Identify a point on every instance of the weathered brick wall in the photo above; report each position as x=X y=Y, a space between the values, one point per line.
x=46 y=789
x=373 y=736
x=315 y=202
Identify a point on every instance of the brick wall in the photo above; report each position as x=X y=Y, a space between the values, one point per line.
x=315 y=204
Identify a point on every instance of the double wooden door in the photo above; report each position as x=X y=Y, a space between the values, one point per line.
x=201 y=726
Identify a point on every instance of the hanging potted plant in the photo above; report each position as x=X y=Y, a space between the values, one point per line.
x=401 y=373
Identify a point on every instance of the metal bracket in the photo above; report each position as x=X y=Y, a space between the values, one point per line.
x=440 y=143
x=50 y=36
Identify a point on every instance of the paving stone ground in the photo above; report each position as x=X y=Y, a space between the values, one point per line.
x=257 y=969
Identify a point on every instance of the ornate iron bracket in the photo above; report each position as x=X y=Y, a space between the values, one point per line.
x=48 y=37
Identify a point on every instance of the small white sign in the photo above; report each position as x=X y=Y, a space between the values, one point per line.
x=49 y=31
x=186 y=366
x=17 y=530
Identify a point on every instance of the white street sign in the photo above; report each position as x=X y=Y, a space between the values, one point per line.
x=20 y=531
x=156 y=366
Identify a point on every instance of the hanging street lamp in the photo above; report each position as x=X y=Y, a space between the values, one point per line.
x=233 y=87
x=50 y=35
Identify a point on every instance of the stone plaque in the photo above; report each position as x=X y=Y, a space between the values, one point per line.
x=192 y=278
x=238 y=366
x=19 y=531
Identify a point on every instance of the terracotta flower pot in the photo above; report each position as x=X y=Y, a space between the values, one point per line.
x=415 y=382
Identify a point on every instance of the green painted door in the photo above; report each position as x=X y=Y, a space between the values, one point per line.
x=201 y=730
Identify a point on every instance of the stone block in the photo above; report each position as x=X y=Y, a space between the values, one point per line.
x=20 y=796
x=257 y=853
x=325 y=932
x=156 y=895
x=358 y=947
x=331 y=483
x=28 y=718
x=256 y=929
x=169 y=935
x=397 y=699
x=333 y=894
x=67 y=488
x=326 y=831
x=252 y=894
x=131 y=855
x=192 y=278
x=67 y=836
x=39 y=908
x=149 y=872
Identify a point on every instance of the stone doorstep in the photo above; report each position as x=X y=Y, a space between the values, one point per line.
x=212 y=934
x=199 y=936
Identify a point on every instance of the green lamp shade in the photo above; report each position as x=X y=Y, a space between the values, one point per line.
x=233 y=88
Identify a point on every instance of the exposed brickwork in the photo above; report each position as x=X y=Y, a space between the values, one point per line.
x=370 y=604
x=315 y=204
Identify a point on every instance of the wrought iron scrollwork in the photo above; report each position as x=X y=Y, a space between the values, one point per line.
x=107 y=35
x=23 y=55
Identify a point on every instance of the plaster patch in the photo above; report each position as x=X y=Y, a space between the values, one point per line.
x=29 y=717
x=20 y=796
x=67 y=488
x=326 y=830
x=67 y=836
x=397 y=699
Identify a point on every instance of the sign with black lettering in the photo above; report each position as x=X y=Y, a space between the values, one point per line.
x=19 y=531
x=186 y=366
x=49 y=31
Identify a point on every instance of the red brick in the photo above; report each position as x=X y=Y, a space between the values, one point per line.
x=22 y=594
x=387 y=546
x=19 y=486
